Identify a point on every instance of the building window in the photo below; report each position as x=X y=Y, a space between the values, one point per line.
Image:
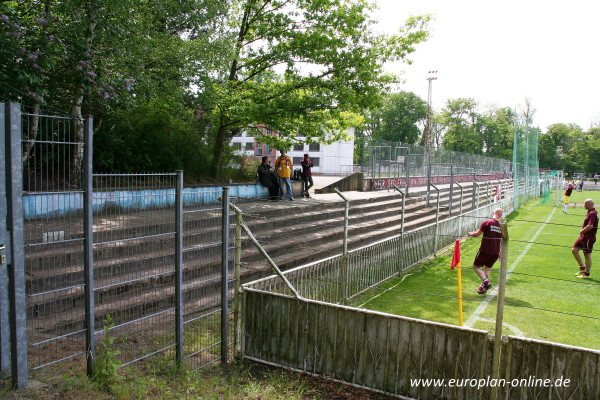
x=314 y=147
x=237 y=146
x=267 y=149
x=259 y=151
x=250 y=146
x=315 y=161
x=298 y=147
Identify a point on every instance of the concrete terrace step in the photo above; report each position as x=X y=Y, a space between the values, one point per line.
x=307 y=222
x=373 y=217
x=324 y=232
x=152 y=264
x=49 y=259
x=309 y=250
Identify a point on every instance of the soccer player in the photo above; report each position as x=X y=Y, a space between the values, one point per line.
x=567 y=196
x=586 y=240
x=489 y=250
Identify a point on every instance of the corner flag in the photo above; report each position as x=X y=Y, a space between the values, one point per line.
x=456 y=255
x=456 y=263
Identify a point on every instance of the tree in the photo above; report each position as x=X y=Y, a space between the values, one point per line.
x=462 y=122
x=527 y=112
x=100 y=58
x=497 y=129
x=302 y=67
x=398 y=118
x=558 y=150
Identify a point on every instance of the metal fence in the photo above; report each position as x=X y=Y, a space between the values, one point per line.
x=395 y=160
x=388 y=353
x=341 y=277
x=124 y=255
x=397 y=355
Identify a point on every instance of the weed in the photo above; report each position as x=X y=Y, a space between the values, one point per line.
x=107 y=363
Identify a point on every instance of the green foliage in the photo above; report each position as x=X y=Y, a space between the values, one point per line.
x=567 y=147
x=398 y=118
x=156 y=137
x=107 y=364
x=302 y=68
x=345 y=75
x=463 y=125
x=249 y=171
x=497 y=129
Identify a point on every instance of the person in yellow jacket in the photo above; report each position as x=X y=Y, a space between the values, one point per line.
x=284 y=169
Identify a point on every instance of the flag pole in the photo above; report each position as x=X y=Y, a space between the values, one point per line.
x=460 y=304
x=456 y=263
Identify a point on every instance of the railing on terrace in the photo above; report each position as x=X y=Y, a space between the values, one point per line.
x=370 y=265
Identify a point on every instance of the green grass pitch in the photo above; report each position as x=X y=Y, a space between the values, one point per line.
x=541 y=278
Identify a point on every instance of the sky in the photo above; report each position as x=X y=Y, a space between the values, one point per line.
x=502 y=52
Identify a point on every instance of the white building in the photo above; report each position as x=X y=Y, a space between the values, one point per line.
x=331 y=159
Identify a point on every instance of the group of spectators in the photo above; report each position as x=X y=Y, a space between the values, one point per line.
x=579 y=182
x=278 y=178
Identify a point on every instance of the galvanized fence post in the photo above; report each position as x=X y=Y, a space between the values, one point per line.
x=16 y=254
x=225 y=275
x=373 y=163
x=88 y=244
x=474 y=199
x=407 y=171
x=437 y=220
x=451 y=190
x=428 y=177
x=4 y=303
x=497 y=354
x=179 y=352
x=402 y=263
x=344 y=266
x=237 y=314
x=460 y=211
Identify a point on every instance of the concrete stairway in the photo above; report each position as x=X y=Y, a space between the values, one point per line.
x=293 y=234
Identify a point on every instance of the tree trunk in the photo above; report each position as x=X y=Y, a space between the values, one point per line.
x=218 y=151
x=76 y=178
x=77 y=158
x=34 y=122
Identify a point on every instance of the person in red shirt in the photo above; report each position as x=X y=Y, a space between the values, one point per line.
x=306 y=175
x=489 y=250
x=586 y=240
x=567 y=196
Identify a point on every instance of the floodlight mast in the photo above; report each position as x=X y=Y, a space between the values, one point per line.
x=431 y=76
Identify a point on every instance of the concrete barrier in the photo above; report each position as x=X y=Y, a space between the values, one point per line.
x=49 y=205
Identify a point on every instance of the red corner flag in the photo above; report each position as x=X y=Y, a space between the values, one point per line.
x=456 y=255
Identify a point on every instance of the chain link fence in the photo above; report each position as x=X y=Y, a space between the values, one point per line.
x=133 y=256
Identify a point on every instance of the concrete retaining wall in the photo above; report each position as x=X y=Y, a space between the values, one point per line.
x=53 y=205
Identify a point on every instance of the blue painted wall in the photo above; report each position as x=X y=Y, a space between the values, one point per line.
x=60 y=204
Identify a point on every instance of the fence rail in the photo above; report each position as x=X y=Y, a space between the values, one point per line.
x=152 y=257
x=394 y=354
x=370 y=265
x=146 y=263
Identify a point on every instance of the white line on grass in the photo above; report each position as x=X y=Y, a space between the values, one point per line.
x=385 y=291
x=477 y=314
x=515 y=330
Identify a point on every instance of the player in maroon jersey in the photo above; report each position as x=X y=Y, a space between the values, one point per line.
x=586 y=240
x=489 y=250
x=566 y=197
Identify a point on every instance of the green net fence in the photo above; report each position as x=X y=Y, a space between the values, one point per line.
x=525 y=165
